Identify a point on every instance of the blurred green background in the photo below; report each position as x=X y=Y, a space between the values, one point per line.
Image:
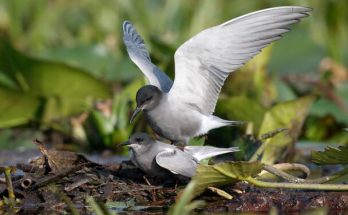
x=65 y=76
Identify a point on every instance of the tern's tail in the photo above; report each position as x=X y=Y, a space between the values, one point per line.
x=234 y=123
x=228 y=122
x=212 y=122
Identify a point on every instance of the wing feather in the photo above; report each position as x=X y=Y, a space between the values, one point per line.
x=177 y=162
x=140 y=56
x=203 y=152
x=203 y=63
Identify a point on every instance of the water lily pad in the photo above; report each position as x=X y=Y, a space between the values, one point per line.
x=223 y=174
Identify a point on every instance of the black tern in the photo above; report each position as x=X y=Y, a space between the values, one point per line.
x=160 y=159
x=184 y=108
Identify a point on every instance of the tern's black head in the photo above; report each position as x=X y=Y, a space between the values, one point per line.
x=138 y=140
x=148 y=97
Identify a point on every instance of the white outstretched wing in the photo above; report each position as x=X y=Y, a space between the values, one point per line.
x=177 y=162
x=203 y=152
x=140 y=56
x=203 y=63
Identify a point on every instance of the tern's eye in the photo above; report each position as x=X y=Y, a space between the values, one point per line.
x=148 y=98
x=139 y=139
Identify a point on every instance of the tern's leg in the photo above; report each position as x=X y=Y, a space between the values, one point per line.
x=179 y=144
x=176 y=142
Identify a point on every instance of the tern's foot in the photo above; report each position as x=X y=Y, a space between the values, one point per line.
x=180 y=145
x=182 y=148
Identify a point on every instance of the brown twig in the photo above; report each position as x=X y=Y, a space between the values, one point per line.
x=54 y=178
x=77 y=184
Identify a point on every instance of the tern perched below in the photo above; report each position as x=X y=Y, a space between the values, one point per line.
x=184 y=108
x=160 y=159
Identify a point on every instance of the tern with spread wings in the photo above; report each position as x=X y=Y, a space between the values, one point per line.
x=184 y=108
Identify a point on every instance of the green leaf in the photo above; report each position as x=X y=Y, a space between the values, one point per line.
x=323 y=107
x=16 y=108
x=223 y=174
x=65 y=90
x=197 y=141
x=243 y=109
x=284 y=91
x=123 y=105
x=290 y=115
x=106 y=129
x=336 y=106
x=183 y=205
x=97 y=60
x=331 y=155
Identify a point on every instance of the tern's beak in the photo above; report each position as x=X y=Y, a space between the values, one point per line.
x=135 y=113
x=127 y=143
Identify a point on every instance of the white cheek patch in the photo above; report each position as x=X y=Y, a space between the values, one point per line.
x=134 y=146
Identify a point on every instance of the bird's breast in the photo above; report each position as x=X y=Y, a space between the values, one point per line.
x=174 y=121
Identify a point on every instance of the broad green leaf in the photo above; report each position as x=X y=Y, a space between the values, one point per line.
x=284 y=91
x=252 y=80
x=336 y=107
x=323 y=107
x=243 y=109
x=263 y=86
x=287 y=60
x=97 y=60
x=16 y=108
x=64 y=90
x=223 y=174
x=124 y=102
x=290 y=115
x=123 y=105
x=331 y=156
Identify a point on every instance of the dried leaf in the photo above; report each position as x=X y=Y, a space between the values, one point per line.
x=221 y=192
x=58 y=161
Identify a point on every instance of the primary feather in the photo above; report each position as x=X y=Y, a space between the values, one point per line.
x=203 y=63
x=140 y=56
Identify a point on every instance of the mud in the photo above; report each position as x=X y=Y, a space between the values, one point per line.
x=51 y=184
